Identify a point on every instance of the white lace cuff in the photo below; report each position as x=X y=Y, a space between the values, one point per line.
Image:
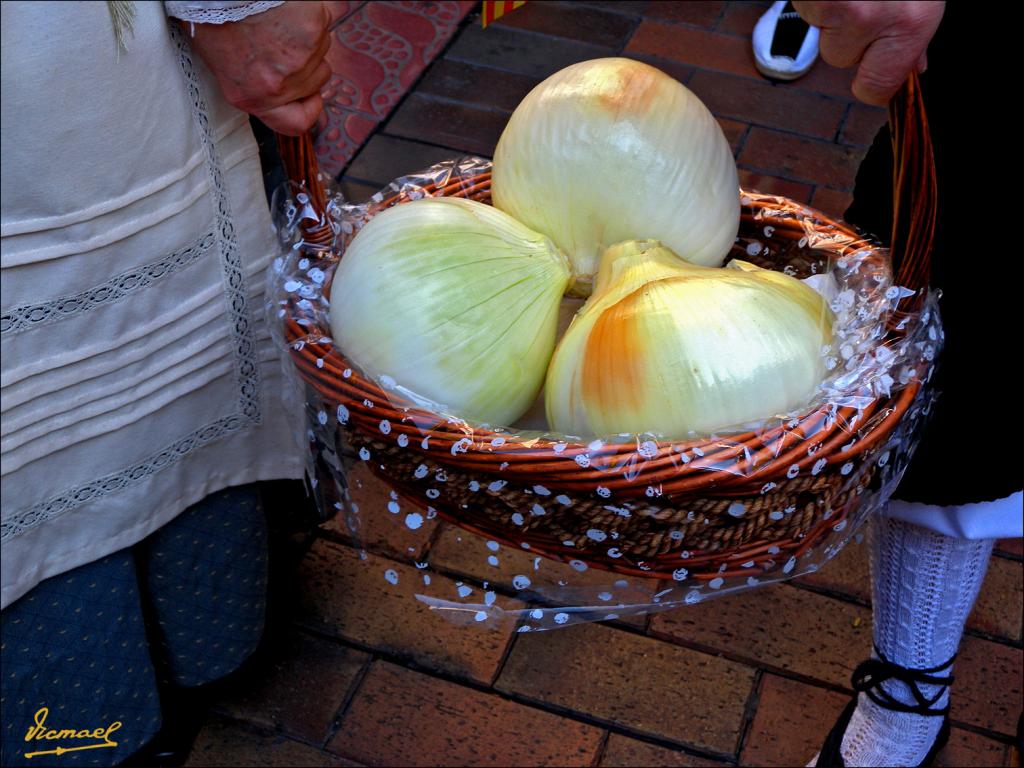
x=217 y=11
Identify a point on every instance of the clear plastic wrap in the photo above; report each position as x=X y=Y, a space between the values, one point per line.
x=513 y=523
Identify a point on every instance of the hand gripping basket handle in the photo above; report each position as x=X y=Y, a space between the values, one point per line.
x=914 y=190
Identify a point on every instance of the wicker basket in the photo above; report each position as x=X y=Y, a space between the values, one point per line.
x=815 y=467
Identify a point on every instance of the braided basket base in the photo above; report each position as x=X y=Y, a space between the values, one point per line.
x=658 y=536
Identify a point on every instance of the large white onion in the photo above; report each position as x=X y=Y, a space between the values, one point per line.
x=611 y=150
x=677 y=349
x=455 y=301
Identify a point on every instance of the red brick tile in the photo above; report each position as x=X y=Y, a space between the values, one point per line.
x=831 y=201
x=571 y=20
x=351 y=598
x=380 y=529
x=791 y=722
x=699 y=13
x=734 y=132
x=777 y=626
x=632 y=8
x=862 y=124
x=988 y=692
x=707 y=50
x=681 y=72
x=615 y=676
x=461 y=127
x=514 y=50
x=847 y=573
x=476 y=86
x=385 y=158
x=761 y=103
x=824 y=78
x=967 y=748
x=740 y=18
x=624 y=752
x=467 y=554
x=356 y=191
x=1000 y=607
x=738 y=22
x=275 y=694
x=224 y=744
x=773 y=185
x=1013 y=547
x=401 y=717
x=799 y=159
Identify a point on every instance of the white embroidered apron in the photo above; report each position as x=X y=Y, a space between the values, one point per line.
x=138 y=374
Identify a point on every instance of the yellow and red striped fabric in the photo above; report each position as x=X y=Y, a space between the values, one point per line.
x=495 y=9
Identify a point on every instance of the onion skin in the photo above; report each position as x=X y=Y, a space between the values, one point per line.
x=455 y=301
x=681 y=350
x=611 y=150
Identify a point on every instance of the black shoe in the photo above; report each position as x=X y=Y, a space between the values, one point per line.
x=868 y=679
x=184 y=713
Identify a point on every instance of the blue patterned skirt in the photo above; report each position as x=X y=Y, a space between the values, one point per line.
x=82 y=652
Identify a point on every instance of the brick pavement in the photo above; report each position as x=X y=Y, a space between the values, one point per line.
x=354 y=674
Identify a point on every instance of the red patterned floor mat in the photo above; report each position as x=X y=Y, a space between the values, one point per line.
x=377 y=52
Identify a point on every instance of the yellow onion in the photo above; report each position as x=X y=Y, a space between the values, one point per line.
x=453 y=300
x=678 y=349
x=612 y=150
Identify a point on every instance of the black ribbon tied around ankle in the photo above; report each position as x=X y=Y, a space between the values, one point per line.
x=871 y=674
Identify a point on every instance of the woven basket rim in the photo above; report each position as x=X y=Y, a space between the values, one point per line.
x=719 y=461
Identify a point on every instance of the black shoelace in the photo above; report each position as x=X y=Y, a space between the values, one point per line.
x=871 y=674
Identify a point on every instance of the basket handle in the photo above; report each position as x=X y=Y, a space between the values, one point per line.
x=300 y=166
x=914 y=191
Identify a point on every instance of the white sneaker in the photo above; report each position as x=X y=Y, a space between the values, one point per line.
x=785 y=46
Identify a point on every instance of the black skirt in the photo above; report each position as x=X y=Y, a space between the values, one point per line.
x=971 y=450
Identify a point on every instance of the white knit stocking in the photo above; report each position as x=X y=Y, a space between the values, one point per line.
x=924 y=586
